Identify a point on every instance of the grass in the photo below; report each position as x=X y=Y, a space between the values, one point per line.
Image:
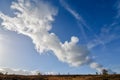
x=60 y=77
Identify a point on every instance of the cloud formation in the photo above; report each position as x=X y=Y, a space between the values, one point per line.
x=118 y=9
x=34 y=19
x=76 y=15
x=17 y=71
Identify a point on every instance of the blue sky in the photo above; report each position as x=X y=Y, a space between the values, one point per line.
x=60 y=36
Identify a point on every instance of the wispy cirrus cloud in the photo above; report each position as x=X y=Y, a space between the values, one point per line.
x=118 y=9
x=67 y=7
x=76 y=15
x=106 y=36
x=108 y=32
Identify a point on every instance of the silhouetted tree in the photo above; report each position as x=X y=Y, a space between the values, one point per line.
x=38 y=73
x=115 y=73
x=6 y=73
x=1 y=73
x=105 y=72
x=96 y=73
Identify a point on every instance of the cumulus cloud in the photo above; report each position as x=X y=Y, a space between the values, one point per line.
x=51 y=73
x=6 y=70
x=34 y=19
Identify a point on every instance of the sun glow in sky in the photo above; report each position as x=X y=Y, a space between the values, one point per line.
x=59 y=36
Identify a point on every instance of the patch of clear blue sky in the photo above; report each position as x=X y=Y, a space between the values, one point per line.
x=96 y=13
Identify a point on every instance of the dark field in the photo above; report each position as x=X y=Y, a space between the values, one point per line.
x=60 y=77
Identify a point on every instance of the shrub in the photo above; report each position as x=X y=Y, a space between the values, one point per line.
x=1 y=73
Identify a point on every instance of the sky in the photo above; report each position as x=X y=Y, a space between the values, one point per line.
x=59 y=36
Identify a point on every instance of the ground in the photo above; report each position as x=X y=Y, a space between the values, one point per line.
x=60 y=77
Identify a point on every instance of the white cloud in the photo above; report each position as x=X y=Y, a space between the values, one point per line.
x=34 y=20
x=96 y=66
x=17 y=71
x=51 y=73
